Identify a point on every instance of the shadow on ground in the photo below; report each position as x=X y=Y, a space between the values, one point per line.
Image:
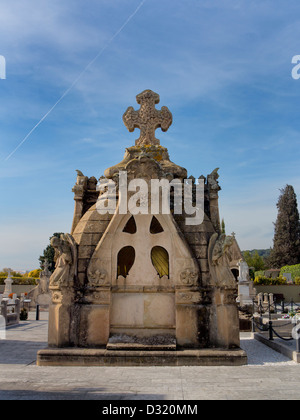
x=76 y=394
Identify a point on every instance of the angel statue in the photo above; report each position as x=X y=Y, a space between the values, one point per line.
x=219 y=257
x=65 y=261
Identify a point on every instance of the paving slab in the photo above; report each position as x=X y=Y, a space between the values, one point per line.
x=268 y=375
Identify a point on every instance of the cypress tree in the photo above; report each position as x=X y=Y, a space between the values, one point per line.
x=49 y=254
x=286 y=242
x=223 y=226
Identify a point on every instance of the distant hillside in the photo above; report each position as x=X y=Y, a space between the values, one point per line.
x=261 y=252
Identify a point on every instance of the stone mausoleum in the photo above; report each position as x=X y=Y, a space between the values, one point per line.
x=143 y=288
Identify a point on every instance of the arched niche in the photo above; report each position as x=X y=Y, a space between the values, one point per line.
x=160 y=260
x=125 y=260
x=235 y=272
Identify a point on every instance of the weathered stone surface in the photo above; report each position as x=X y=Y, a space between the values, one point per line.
x=144 y=279
x=103 y=357
x=147 y=119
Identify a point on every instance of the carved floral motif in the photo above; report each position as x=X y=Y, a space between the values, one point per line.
x=97 y=278
x=188 y=277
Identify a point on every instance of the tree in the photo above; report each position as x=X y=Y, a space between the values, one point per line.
x=48 y=254
x=286 y=242
x=254 y=260
x=34 y=273
x=223 y=226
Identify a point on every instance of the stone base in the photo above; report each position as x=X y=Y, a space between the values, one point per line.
x=105 y=357
x=141 y=347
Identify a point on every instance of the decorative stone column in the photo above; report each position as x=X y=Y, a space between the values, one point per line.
x=62 y=285
x=213 y=191
x=79 y=190
x=224 y=328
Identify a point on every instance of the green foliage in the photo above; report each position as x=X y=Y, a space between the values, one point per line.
x=19 y=280
x=49 y=254
x=259 y=273
x=12 y=273
x=251 y=273
x=35 y=273
x=254 y=260
x=263 y=280
x=297 y=280
x=261 y=252
x=293 y=269
x=23 y=314
x=286 y=247
x=223 y=226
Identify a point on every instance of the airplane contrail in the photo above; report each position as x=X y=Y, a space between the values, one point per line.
x=78 y=77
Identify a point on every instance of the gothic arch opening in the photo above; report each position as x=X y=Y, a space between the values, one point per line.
x=130 y=226
x=235 y=272
x=155 y=226
x=160 y=260
x=126 y=257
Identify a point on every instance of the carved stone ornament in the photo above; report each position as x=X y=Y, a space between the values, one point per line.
x=97 y=297
x=213 y=184
x=219 y=257
x=65 y=261
x=56 y=297
x=97 y=278
x=186 y=297
x=147 y=118
x=144 y=167
x=188 y=277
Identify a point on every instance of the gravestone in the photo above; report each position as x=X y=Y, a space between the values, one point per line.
x=8 y=285
x=41 y=295
x=246 y=292
x=143 y=287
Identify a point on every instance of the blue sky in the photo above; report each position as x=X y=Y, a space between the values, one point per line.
x=223 y=68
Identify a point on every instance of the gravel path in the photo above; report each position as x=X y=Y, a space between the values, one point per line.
x=258 y=354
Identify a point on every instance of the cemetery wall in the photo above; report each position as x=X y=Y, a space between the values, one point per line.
x=289 y=291
x=19 y=288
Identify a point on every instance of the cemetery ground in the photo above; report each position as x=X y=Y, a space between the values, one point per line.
x=269 y=375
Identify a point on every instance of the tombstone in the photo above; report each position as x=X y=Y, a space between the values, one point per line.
x=271 y=299
x=260 y=299
x=10 y=317
x=246 y=292
x=143 y=287
x=243 y=272
x=41 y=295
x=8 y=285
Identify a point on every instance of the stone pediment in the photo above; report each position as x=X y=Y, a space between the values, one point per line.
x=158 y=154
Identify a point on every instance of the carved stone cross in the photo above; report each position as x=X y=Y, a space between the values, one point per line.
x=147 y=118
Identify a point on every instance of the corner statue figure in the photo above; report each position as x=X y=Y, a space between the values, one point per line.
x=65 y=261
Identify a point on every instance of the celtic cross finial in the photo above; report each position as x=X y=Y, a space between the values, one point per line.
x=147 y=118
